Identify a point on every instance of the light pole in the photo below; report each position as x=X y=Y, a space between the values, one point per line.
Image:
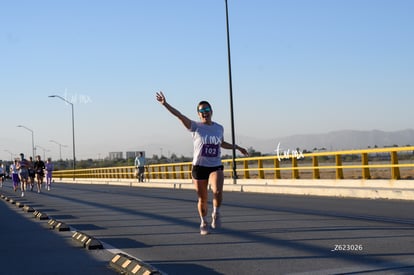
x=33 y=147
x=231 y=97
x=60 y=148
x=44 y=151
x=73 y=131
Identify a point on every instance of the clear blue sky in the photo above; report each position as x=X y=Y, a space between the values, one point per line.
x=299 y=67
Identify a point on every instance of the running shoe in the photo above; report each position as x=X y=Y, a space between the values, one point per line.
x=215 y=220
x=204 y=229
x=22 y=194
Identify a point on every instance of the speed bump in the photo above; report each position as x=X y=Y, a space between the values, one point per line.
x=80 y=237
x=128 y=265
x=57 y=225
x=62 y=227
x=28 y=209
x=52 y=223
x=41 y=216
x=87 y=241
x=93 y=243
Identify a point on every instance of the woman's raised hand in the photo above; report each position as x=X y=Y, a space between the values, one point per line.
x=160 y=97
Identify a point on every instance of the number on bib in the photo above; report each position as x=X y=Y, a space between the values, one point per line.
x=210 y=150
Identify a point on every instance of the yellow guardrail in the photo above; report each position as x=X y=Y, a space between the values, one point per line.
x=380 y=163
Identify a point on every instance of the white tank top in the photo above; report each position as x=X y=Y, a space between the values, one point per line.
x=207 y=143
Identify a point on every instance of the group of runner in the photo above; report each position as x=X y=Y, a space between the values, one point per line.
x=25 y=172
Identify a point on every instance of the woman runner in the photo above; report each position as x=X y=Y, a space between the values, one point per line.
x=207 y=167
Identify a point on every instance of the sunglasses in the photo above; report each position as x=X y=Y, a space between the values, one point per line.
x=205 y=110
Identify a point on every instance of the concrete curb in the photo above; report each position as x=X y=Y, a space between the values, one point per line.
x=359 y=188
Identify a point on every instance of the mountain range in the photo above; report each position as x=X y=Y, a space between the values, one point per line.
x=332 y=141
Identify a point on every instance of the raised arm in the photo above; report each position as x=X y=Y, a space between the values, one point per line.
x=185 y=120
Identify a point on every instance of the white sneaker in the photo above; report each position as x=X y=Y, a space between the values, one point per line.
x=22 y=194
x=215 y=220
x=204 y=229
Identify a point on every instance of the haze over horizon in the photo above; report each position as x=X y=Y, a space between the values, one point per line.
x=299 y=67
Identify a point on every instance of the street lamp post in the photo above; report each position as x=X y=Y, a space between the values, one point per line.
x=60 y=148
x=231 y=97
x=33 y=147
x=44 y=151
x=73 y=131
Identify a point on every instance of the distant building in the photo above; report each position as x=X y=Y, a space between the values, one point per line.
x=128 y=155
x=131 y=154
x=115 y=155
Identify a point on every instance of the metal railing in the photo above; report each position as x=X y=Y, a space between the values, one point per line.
x=380 y=163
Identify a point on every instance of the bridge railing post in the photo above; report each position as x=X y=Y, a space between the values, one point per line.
x=246 y=169
x=277 y=168
x=295 y=170
x=365 y=170
x=339 y=170
x=182 y=171
x=153 y=172
x=260 y=167
x=315 y=164
x=395 y=170
x=174 y=175
x=167 y=175
x=190 y=167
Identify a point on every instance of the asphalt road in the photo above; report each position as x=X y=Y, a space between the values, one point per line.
x=261 y=233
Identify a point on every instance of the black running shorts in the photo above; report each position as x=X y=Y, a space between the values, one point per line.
x=203 y=172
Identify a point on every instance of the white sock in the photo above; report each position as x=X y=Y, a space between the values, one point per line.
x=202 y=220
x=216 y=209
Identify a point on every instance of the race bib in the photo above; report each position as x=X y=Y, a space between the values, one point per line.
x=210 y=150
